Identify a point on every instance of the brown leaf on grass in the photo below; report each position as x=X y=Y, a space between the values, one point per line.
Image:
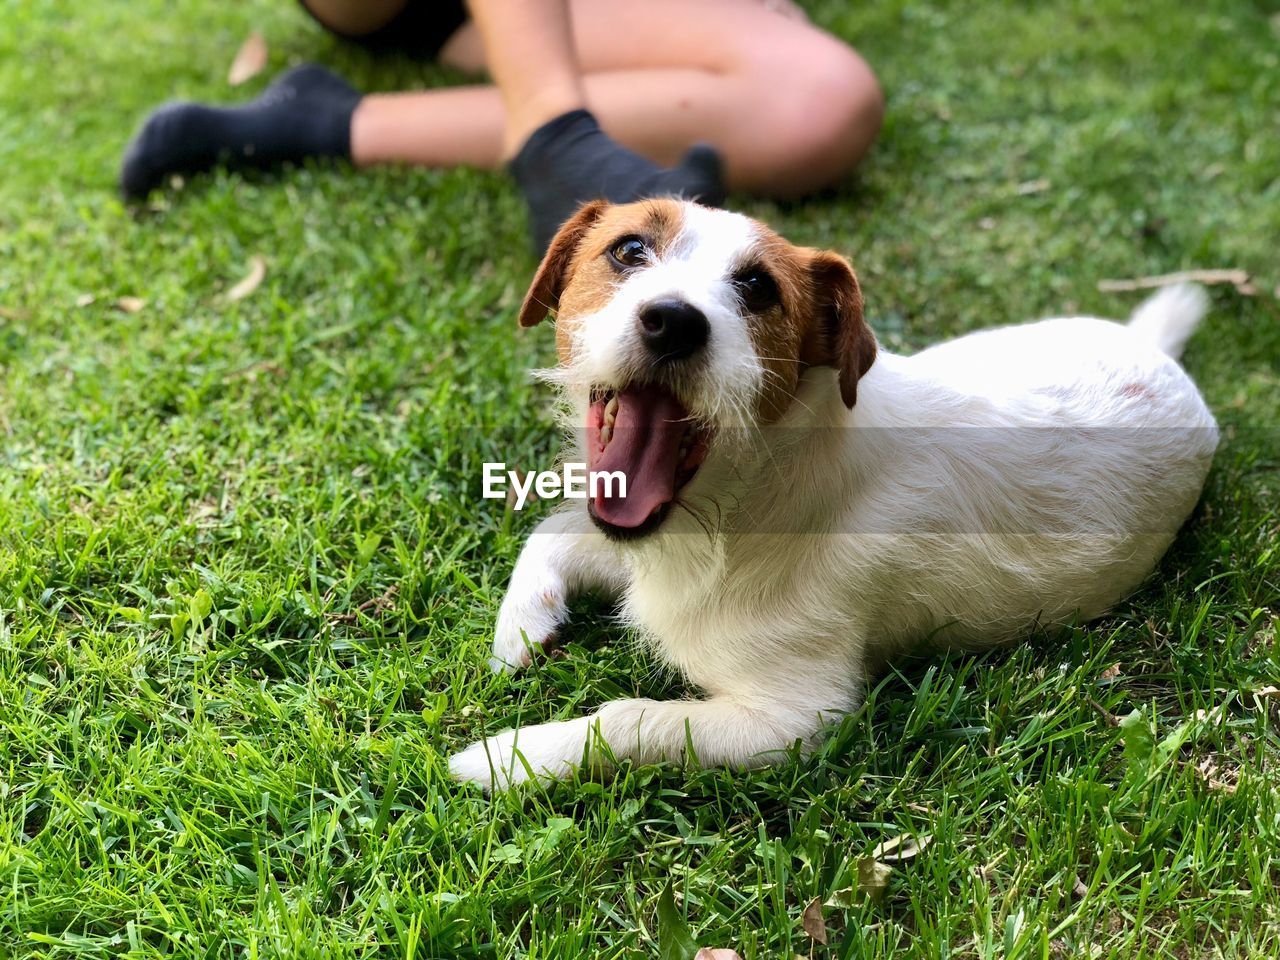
x=250 y=59
x=372 y=608
x=204 y=513
x=1217 y=777
x=130 y=304
x=873 y=877
x=813 y=923
x=256 y=370
x=1233 y=276
x=717 y=953
x=252 y=280
x=905 y=846
x=1110 y=673
x=1268 y=691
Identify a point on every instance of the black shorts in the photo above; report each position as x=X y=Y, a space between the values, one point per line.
x=419 y=30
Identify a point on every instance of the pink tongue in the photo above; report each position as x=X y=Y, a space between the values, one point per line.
x=645 y=448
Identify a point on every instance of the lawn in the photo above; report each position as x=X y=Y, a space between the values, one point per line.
x=247 y=582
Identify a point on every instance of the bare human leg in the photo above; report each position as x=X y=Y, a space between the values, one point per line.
x=529 y=49
x=789 y=107
x=555 y=148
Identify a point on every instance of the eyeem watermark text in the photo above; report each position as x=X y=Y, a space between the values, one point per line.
x=574 y=482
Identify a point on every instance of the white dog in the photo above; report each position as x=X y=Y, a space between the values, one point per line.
x=798 y=508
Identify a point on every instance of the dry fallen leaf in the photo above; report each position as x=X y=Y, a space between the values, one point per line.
x=201 y=514
x=85 y=299
x=902 y=847
x=373 y=608
x=813 y=923
x=1267 y=691
x=1110 y=673
x=873 y=877
x=249 y=61
x=717 y=953
x=1079 y=889
x=252 y=280
x=1216 y=777
x=130 y=304
x=1209 y=716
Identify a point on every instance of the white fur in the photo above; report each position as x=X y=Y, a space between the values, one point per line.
x=1029 y=474
x=1169 y=317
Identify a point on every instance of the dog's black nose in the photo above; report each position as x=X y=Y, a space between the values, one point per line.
x=673 y=329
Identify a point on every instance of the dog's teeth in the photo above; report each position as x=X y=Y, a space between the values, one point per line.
x=610 y=413
x=606 y=434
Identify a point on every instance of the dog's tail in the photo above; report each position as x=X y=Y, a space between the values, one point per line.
x=1168 y=317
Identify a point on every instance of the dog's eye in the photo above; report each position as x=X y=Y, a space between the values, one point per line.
x=629 y=252
x=756 y=289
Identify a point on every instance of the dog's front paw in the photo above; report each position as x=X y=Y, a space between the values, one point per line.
x=527 y=621
x=547 y=751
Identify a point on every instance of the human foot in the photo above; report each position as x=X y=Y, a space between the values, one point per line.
x=305 y=112
x=571 y=160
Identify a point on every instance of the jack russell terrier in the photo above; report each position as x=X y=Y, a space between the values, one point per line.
x=800 y=506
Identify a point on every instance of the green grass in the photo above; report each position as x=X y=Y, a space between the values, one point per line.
x=207 y=747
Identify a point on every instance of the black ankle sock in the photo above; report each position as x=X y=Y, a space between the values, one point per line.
x=306 y=112
x=571 y=160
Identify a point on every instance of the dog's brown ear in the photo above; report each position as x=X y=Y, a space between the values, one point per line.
x=841 y=337
x=553 y=273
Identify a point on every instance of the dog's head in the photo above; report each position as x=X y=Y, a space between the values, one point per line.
x=679 y=326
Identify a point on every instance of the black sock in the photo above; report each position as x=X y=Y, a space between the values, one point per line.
x=306 y=112
x=571 y=160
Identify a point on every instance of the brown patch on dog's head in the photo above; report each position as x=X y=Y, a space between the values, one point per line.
x=778 y=330
x=574 y=278
x=543 y=296
x=816 y=322
x=840 y=336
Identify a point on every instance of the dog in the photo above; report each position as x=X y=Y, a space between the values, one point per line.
x=801 y=506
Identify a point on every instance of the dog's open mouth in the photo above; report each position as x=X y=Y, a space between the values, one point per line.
x=645 y=433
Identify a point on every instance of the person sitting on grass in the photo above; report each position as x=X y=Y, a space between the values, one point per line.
x=787 y=107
